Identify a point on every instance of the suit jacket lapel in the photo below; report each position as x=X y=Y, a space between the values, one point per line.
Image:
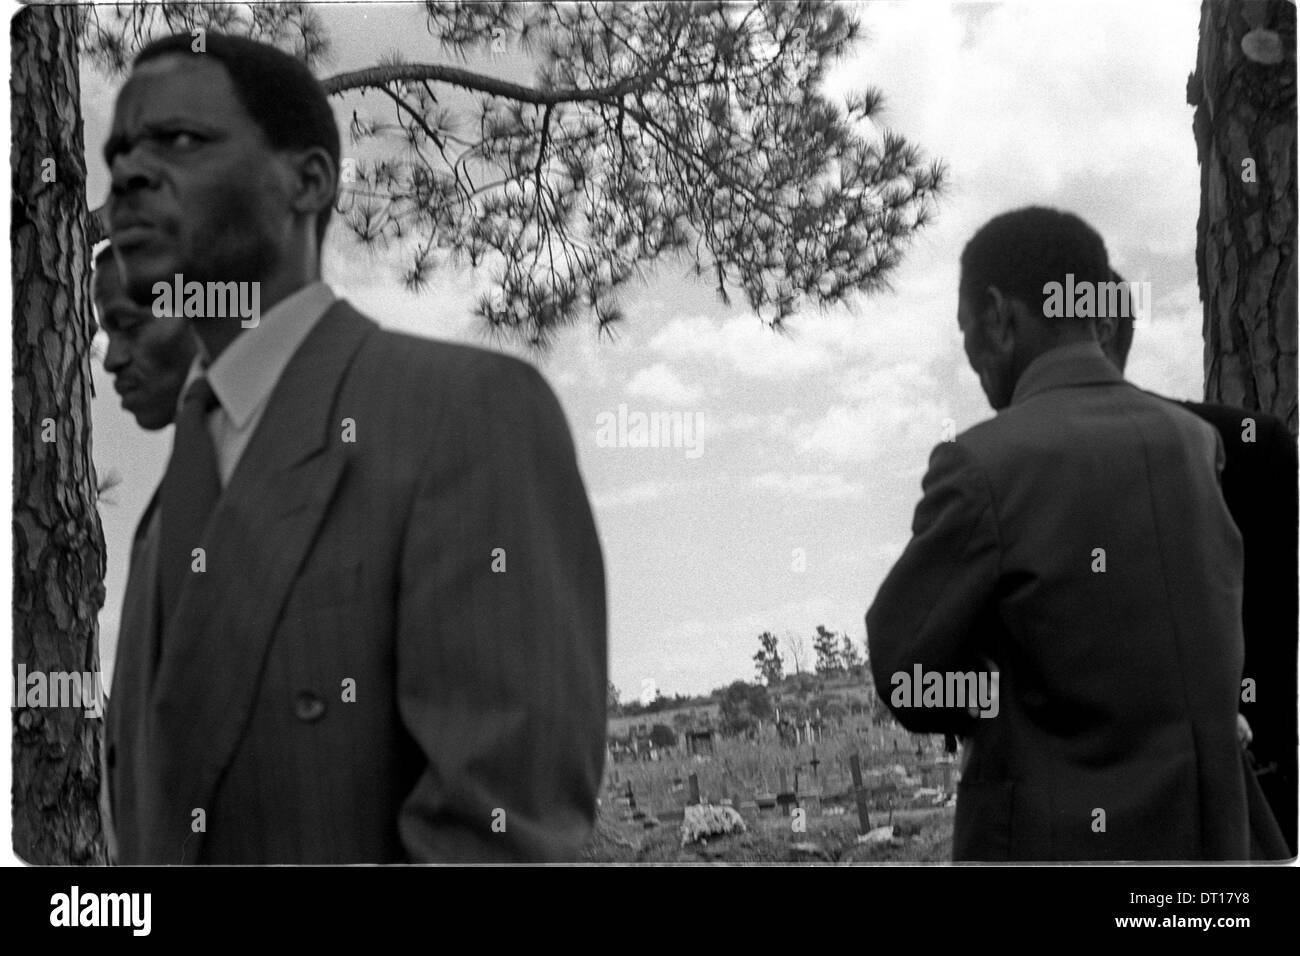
x=257 y=539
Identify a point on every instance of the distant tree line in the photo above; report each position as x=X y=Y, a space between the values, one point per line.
x=836 y=654
x=743 y=704
x=615 y=707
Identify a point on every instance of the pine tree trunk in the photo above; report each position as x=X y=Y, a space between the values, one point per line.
x=58 y=550
x=1245 y=128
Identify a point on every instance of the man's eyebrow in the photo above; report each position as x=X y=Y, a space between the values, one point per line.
x=121 y=314
x=117 y=142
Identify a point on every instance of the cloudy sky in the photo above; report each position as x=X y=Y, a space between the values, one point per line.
x=813 y=443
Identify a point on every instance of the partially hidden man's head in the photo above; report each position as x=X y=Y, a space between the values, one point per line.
x=224 y=163
x=148 y=355
x=1002 y=306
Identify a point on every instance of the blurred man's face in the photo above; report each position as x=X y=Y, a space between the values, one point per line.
x=196 y=188
x=989 y=340
x=148 y=356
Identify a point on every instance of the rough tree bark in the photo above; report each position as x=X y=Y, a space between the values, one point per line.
x=1245 y=128
x=58 y=549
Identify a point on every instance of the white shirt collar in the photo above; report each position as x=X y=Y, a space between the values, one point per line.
x=245 y=374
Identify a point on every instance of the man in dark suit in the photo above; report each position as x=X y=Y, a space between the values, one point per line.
x=376 y=632
x=1078 y=544
x=1259 y=486
x=148 y=357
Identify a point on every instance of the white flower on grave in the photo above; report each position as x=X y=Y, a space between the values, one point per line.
x=708 y=820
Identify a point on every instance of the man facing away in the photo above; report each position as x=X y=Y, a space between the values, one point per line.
x=381 y=610
x=1078 y=543
x=1259 y=487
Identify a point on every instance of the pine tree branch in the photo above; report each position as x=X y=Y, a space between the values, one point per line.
x=376 y=77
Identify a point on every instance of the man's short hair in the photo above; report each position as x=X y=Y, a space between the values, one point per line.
x=288 y=104
x=1021 y=251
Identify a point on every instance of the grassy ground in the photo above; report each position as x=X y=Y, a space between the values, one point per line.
x=921 y=836
x=740 y=771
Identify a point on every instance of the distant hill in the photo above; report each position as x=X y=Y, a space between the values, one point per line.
x=799 y=696
x=685 y=716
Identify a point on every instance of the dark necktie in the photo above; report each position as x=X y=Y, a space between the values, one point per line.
x=190 y=490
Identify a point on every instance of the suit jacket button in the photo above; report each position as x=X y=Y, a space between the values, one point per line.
x=308 y=708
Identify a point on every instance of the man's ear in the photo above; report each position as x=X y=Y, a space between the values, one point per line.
x=315 y=182
x=999 y=320
x=1107 y=328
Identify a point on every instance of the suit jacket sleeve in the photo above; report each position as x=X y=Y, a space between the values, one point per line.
x=927 y=612
x=502 y=644
x=1263 y=500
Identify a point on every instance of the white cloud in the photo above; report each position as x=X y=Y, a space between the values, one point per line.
x=815 y=486
x=743 y=343
x=888 y=327
x=893 y=413
x=771 y=425
x=1166 y=352
x=632 y=494
x=660 y=383
x=1079 y=104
